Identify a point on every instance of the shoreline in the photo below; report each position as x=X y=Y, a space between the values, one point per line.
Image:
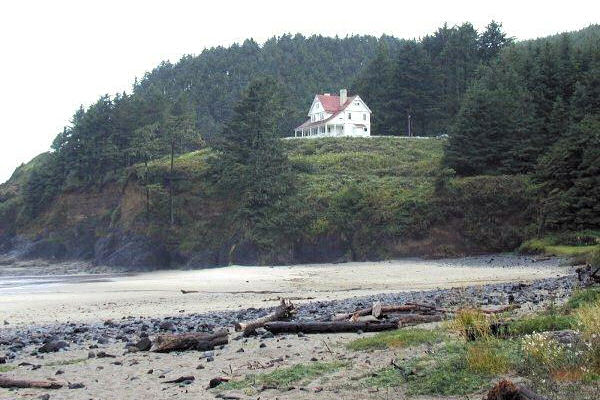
x=86 y=298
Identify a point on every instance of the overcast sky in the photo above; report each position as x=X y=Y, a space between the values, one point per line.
x=56 y=55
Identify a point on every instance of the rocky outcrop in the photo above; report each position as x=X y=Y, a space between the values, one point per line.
x=327 y=248
x=120 y=249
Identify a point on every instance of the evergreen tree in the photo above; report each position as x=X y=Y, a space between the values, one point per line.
x=491 y=41
x=374 y=86
x=413 y=94
x=491 y=125
x=569 y=176
x=251 y=167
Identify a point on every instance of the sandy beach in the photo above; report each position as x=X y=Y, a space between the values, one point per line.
x=80 y=297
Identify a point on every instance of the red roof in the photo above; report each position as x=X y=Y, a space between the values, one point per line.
x=331 y=104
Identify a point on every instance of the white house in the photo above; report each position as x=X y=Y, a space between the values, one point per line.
x=336 y=116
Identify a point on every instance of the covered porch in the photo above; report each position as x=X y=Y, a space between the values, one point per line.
x=320 y=130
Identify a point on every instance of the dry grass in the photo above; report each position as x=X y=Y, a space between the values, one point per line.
x=488 y=357
x=589 y=323
x=471 y=324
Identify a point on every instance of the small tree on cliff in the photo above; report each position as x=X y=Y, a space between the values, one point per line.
x=251 y=167
x=172 y=133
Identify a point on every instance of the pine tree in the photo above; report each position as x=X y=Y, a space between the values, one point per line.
x=491 y=41
x=569 y=176
x=374 y=86
x=413 y=91
x=252 y=167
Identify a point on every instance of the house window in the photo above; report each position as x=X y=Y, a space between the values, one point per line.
x=364 y=117
x=349 y=115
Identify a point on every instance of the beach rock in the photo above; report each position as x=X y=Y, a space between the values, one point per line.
x=144 y=344
x=121 y=249
x=53 y=346
x=77 y=385
x=166 y=326
x=102 y=354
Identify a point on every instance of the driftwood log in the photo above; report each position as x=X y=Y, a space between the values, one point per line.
x=283 y=311
x=189 y=341
x=506 y=390
x=329 y=327
x=413 y=319
x=499 y=310
x=9 y=383
x=379 y=310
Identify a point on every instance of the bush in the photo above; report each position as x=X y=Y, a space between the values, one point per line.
x=546 y=354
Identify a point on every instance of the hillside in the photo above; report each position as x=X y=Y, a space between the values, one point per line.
x=357 y=199
x=520 y=161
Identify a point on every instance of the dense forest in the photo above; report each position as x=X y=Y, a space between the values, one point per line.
x=514 y=153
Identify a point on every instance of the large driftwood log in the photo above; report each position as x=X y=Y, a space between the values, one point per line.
x=189 y=341
x=329 y=327
x=283 y=311
x=506 y=390
x=379 y=309
x=413 y=319
x=9 y=383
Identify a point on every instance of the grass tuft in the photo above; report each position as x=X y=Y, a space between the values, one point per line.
x=583 y=297
x=541 y=323
x=282 y=378
x=6 y=368
x=471 y=323
x=396 y=339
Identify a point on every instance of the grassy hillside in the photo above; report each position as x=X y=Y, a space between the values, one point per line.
x=355 y=199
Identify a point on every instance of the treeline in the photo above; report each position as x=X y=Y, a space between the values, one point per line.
x=509 y=108
x=536 y=109
x=418 y=88
x=199 y=93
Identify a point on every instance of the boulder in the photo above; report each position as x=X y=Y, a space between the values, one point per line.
x=53 y=346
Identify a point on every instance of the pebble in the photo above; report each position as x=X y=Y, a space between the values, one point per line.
x=78 y=385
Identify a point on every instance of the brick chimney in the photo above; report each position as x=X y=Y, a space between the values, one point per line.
x=343 y=96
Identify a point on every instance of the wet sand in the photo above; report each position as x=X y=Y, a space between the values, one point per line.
x=83 y=298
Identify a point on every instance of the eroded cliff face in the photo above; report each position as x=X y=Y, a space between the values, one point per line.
x=359 y=199
x=100 y=226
